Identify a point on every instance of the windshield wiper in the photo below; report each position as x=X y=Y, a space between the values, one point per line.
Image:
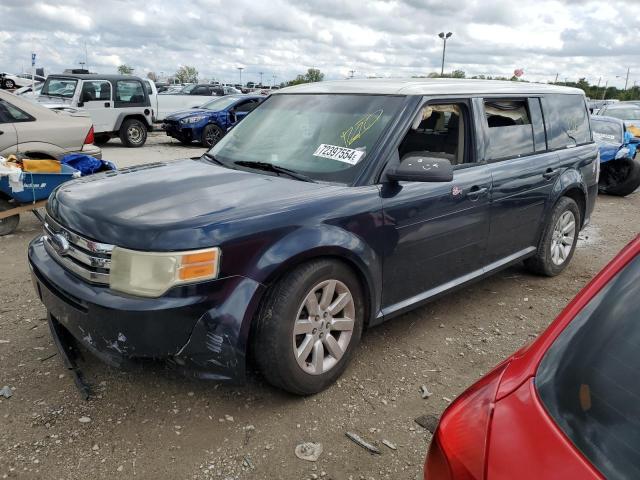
x=209 y=156
x=270 y=167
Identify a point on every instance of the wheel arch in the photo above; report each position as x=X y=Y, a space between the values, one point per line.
x=128 y=116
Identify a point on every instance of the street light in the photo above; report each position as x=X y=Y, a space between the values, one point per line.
x=240 y=70
x=444 y=48
x=261 y=73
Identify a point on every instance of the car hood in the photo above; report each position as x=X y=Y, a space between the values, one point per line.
x=608 y=151
x=190 y=113
x=178 y=205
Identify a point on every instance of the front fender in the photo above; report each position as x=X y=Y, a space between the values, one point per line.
x=324 y=240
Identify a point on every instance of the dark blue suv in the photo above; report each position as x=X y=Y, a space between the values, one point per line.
x=332 y=207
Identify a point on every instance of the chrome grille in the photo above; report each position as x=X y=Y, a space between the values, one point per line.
x=87 y=259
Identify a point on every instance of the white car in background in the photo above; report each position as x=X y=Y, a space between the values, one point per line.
x=10 y=82
x=31 y=129
x=28 y=90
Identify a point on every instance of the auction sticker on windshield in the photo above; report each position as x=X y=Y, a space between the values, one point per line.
x=340 y=154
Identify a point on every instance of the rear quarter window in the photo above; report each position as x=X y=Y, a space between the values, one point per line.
x=566 y=119
x=589 y=379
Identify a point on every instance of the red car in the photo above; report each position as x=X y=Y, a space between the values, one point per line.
x=565 y=407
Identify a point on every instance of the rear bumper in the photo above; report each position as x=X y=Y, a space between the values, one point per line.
x=201 y=329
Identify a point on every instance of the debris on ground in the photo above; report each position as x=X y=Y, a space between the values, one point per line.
x=6 y=392
x=309 y=451
x=429 y=422
x=424 y=392
x=389 y=444
x=354 y=437
x=84 y=419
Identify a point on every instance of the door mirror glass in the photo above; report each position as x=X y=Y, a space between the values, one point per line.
x=415 y=167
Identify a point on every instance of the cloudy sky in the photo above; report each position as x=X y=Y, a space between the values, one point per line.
x=572 y=38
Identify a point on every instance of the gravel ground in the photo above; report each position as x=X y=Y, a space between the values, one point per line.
x=150 y=423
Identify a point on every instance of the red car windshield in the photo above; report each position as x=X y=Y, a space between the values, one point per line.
x=589 y=380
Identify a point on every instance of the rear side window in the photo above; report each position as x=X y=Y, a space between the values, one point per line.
x=510 y=129
x=588 y=380
x=129 y=93
x=12 y=114
x=567 y=120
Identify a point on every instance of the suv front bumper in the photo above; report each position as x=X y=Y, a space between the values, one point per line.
x=201 y=330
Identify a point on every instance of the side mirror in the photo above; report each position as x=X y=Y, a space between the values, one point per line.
x=197 y=106
x=422 y=168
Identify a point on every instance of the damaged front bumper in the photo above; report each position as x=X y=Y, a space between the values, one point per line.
x=200 y=329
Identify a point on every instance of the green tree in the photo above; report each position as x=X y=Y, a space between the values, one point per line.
x=152 y=76
x=312 y=75
x=125 y=69
x=187 y=74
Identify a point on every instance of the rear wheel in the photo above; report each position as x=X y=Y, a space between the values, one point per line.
x=9 y=84
x=101 y=139
x=211 y=134
x=558 y=241
x=308 y=327
x=133 y=133
x=620 y=177
x=9 y=224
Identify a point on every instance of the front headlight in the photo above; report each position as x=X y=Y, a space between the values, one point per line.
x=151 y=274
x=195 y=119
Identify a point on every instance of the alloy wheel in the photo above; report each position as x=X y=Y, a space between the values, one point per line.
x=564 y=233
x=324 y=326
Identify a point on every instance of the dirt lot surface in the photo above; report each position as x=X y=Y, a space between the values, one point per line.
x=151 y=423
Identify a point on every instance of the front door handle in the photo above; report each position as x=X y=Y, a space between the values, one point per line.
x=107 y=104
x=1 y=132
x=550 y=173
x=476 y=192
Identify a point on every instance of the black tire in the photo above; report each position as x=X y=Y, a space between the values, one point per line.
x=101 y=139
x=620 y=177
x=185 y=140
x=211 y=134
x=543 y=262
x=273 y=341
x=9 y=224
x=9 y=84
x=133 y=133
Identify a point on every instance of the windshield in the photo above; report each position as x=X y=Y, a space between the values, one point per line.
x=607 y=132
x=588 y=379
x=623 y=113
x=220 y=103
x=322 y=136
x=59 y=87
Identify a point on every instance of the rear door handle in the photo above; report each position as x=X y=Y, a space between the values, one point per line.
x=1 y=132
x=550 y=173
x=476 y=192
x=107 y=104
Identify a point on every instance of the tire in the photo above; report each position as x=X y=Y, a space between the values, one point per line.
x=275 y=347
x=558 y=242
x=211 y=134
x=9 y=224
x=620 y=177
x=101 y=139
x=9 y=84
x=133 y=133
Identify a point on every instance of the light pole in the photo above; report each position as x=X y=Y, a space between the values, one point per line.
x=240 y=70
x=444 y=48
x=606 y=85
x=274 y=81
x=261 y=73
x=626 y=79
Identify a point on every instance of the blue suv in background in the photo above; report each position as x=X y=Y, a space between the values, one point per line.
x=208 y=123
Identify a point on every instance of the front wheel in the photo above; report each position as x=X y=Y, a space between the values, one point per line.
x=133 y=133
x=211 y=134
x=8 y=224
x=620 y=177
x=558 y=241
x=9 y=84
x=308 y=327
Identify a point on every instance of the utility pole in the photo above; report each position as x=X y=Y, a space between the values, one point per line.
x=240 y=70
x=444 y=48
x=556 y=80
x=261 y=73
x=627 y=79
x=351 y=72
x=274 y=81
x=605 y=89
x=599 y=82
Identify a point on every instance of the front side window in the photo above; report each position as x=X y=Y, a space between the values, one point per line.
x=59 y=87
x=11 y=114
x=567 y=120
x=510 y=129
x=96 y=90
x=129 y=92
x=588 y=379
x=247 y=106
x=438 y=131
x=327 y=137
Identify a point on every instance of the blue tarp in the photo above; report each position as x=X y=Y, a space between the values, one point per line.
x=87 y=164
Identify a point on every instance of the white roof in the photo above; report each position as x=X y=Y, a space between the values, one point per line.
x=428 y=86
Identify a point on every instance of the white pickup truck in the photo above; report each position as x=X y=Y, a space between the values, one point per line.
x=190 y=96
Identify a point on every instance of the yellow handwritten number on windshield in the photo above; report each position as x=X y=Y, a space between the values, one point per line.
x=355 y=132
